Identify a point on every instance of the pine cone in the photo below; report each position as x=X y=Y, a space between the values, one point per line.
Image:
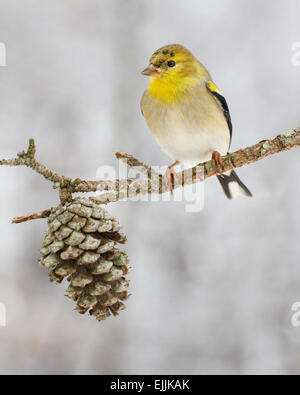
x=81 y=245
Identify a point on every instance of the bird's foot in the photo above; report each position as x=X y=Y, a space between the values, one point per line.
x=217 y=160
x=171 y=176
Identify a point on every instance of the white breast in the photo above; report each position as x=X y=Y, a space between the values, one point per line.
x=188 y=130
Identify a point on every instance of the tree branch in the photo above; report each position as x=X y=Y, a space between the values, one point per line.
x=254 y=153
x=114 y=190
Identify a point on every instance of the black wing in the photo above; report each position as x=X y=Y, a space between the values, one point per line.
x=222 y=101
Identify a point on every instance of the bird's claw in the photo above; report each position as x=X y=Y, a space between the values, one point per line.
x=171 y=176
x=217 y=160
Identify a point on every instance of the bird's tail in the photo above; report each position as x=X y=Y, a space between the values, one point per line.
x=233 y=186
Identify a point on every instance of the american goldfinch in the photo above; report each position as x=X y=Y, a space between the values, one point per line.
x=188 y=115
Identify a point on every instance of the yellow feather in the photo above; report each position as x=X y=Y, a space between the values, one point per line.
x=212 y=87
x=174 y=83
x=171 y=90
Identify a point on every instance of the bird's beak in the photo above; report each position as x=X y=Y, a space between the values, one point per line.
x=151 y=70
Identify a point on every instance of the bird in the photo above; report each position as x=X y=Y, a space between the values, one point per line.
x=188 y=115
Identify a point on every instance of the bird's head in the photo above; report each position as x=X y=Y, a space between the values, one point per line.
x=171 y=61
x=173 y=70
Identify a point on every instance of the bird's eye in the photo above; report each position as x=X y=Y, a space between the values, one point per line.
x=171 y=63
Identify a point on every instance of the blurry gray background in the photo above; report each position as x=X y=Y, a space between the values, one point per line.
x=211 y=291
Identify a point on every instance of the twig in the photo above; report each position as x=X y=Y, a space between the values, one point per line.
x=114 y=190
x=29 y=217
x=28 y=159
x=133 y=162
x=254 y=153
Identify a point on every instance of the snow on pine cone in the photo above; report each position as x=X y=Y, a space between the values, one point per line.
x=81 y=245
